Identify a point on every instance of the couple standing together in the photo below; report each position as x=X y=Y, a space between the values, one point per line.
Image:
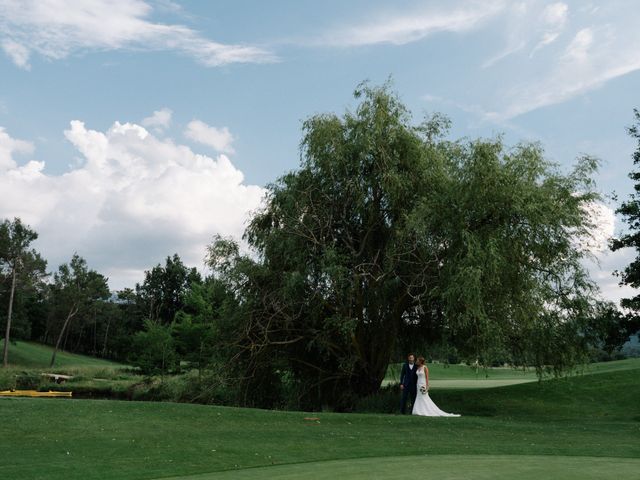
x=414 y=383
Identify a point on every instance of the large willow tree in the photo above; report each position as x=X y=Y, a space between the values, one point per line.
x=387 y=229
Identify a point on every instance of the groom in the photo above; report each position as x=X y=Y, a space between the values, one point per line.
x=408 y=382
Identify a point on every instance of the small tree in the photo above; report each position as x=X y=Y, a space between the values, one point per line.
x=18 y=261
x=76 y=288
x=163 y=291
x=197 y=327
x=154 y=349
x=612 y=329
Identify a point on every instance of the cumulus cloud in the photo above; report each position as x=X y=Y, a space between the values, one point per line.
x=137 y=197
x=220 y=139
x=603 y=220
x=160 y=120
x=602 y=270
x=57 y=28
x=9 y=146
x=410 y=27
x=603 y=262
x=134 y=199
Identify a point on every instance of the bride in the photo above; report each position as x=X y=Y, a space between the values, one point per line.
x=423 y=405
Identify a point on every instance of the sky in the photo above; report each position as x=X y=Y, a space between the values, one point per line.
x=133 y=129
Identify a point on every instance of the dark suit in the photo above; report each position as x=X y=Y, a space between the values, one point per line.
x=409 y=381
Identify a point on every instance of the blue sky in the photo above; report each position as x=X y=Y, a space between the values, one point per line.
x=231 y=81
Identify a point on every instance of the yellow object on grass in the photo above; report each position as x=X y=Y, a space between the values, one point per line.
x=33 y=393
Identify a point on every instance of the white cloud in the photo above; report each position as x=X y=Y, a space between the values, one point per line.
x=582 y=52
x=134 y=199
x=529 y=25
x=603 y=219
x=517 y=24
x=555 y=14
x=9 y=146
x=578 y=49
x=554 y=18
x=56 y=29
x=510 y=49
x=589 y=61
x=18 y=53
x=160 y=120
x=220 y=139
x=411 y=27
x=604 y=262
x=601 y=273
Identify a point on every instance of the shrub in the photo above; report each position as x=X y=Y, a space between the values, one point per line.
x=155 y=351
x=386 y=400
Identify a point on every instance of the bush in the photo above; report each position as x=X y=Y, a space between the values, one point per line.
x=387 y=400
x=7 y=379
x=28 y=381
x=154 y=349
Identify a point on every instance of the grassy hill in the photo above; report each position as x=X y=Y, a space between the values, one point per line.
x=36 y=355
x=28 y=360
x=586 y=426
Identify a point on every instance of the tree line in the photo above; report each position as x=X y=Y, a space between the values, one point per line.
x=388 y=237
x=72 y=309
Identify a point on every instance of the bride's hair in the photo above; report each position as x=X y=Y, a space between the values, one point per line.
x=420 y=360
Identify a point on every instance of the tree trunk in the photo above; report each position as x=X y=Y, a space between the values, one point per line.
x=72 y=312
x=66 y=339
x=106 y=337
x=95 y=332
x=5 y=361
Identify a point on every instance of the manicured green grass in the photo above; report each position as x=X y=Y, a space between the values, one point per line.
x=524 y=431
x=473 y=384
x=35 y=355
x=444 y=371
x=602 y=367
x=443 y=376
x=601 y=396
x=441 y=467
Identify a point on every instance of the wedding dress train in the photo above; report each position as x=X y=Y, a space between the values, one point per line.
x=423 y=405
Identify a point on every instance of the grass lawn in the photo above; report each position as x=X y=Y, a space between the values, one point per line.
x=35 y=355
x=441 y=467
x=444 y=376
x=581 y=427
x=28 y=360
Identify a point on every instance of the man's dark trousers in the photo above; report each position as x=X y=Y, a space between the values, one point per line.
x=409 y=382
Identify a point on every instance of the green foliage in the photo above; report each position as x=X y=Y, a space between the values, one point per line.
x=630 y=211
x=197 y=325
x=162 y=293
x=22 y=271
x=386 y=231
x=385 y=400
x=610 y=330
x=154 y=349
x=75 y=293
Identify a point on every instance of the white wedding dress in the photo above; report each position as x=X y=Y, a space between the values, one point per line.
x=423 y=405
